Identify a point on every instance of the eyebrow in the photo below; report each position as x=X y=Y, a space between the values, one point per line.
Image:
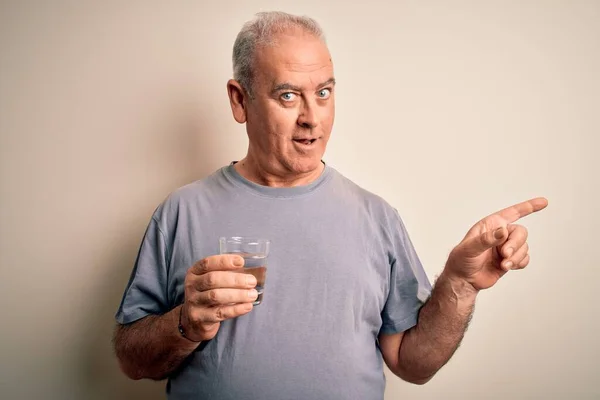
x=289 y=86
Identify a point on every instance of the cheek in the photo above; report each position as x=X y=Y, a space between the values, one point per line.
x=272 y=124
x=283 y=122
x=328 y=118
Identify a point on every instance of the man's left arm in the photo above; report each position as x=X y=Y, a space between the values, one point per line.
x=492 y=247
x=417 y=354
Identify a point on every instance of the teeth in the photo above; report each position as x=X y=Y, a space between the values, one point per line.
x=305 y=141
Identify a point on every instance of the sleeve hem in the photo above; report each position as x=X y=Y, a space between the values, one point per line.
x=400 y=326
x=128 y=318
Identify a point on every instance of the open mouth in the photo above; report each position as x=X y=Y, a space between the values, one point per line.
x=306 y=142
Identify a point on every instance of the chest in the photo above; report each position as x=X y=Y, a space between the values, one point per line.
x=321 y=258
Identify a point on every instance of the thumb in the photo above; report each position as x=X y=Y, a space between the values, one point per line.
x=477 y=245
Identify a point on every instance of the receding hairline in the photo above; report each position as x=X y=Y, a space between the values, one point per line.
x=275 y=85
x=264 y=30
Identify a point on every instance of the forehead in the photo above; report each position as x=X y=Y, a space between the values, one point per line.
x=297 y=58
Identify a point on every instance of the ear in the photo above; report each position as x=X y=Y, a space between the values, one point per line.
x=238 y=98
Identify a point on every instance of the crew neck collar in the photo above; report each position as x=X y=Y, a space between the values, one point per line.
x=282 y=192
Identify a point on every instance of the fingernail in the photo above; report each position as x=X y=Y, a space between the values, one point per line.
x=498 y=233
x=509 y=251
x=250 y=280
x=238 y=261
x=508 y=264
x=253 y=294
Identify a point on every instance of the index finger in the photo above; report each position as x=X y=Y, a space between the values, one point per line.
x=513 y=213
x=221 y=262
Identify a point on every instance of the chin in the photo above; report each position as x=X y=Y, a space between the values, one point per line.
x=305 y=166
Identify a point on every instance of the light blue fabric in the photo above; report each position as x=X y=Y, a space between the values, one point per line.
x=341 y=270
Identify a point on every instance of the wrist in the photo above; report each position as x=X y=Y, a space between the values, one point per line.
x=461 y=287
x=183 y=328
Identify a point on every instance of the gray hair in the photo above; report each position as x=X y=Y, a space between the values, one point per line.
x=261 y=31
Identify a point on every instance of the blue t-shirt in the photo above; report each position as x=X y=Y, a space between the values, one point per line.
x=341 y=270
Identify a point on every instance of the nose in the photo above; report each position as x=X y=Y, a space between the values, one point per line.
x=308 y=117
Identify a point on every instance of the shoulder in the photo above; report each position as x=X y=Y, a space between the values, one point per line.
x=192 y=196
x=381 y=217
x=369 y=201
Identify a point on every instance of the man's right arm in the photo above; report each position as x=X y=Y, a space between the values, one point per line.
x=215 y=291
x=152 y=347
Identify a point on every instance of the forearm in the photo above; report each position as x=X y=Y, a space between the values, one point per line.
x=152 y=347
x=442 y=323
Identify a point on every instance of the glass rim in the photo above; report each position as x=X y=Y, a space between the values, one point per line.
x=243 y=239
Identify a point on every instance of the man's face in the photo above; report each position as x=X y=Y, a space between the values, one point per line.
x=290 y=117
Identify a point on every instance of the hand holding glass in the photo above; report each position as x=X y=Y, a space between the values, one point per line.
x=255 y=252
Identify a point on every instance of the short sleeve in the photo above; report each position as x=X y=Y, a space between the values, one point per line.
x=146 y=292
x=409 y=286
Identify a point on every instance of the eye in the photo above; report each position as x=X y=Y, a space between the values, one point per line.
x=324 y=93
x=289 y=96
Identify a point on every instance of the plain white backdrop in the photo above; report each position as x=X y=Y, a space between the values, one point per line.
x=450 y=110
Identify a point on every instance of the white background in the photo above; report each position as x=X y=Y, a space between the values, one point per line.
x=450 y=110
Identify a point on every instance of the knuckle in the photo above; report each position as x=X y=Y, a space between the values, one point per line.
x=197 y=298
x=210 y=279
x=203 y=265
x=195 y=316
x=522 y=231
x=213 y=296
x=520 y=253
x=198 y=268
x=220 y=314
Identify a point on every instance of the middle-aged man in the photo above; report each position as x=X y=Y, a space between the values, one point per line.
x=345 y=289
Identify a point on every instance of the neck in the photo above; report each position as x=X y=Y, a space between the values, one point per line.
x=254 y=172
